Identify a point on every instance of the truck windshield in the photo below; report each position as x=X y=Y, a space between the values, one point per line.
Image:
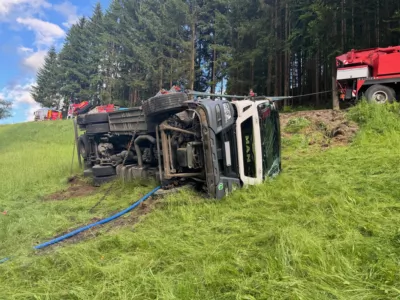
x=270 y=139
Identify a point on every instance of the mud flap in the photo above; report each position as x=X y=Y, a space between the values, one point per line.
x=226 y=186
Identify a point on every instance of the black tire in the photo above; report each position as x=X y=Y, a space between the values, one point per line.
x=81 y=120
x=88 y=173
x=380 y=94
x=168 y=103
x=103 y=171
x=84 y=110
x=97 y=128
x=83 y=146
x=96 y=118
x=98 y=181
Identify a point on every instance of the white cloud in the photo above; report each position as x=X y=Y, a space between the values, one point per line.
x=68 y=10
x=35 y=61
x=21 y=94
x=46 y=33
x=10 y=8
x=24 y=50
x=18 y=94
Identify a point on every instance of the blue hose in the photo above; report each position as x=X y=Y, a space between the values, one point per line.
x=79 y=230
x=104 y=221
x=4 y=260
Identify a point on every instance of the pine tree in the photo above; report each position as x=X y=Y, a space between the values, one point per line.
x=74 y=61
x=111 y=52
x=47 y=89
x=275 y=47
x=95 y=34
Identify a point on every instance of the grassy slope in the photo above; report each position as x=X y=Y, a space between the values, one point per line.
x=327 y=228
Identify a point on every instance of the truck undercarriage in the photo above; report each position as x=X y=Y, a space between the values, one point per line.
x=219 y=145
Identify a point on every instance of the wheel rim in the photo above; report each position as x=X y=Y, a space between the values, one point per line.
x=380 y=97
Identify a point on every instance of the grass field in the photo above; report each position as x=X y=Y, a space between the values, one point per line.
x=327 y=228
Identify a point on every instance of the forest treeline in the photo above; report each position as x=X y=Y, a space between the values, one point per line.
x=275 y=47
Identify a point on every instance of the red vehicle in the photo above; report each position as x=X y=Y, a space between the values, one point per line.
x=85 y=107
x=46 y=114
x=373 y=73
x=78 y=108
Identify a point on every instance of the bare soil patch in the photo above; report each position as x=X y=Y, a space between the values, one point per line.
x=77 y=188
x=324 y=127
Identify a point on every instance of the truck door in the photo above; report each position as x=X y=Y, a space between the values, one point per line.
x=249 y=144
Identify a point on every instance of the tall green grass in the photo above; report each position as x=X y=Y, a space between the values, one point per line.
x=326 y=228
x=35 y=161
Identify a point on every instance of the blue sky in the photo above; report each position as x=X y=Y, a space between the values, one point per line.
x=27 y=29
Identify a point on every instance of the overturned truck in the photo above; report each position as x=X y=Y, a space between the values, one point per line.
x=220 y=145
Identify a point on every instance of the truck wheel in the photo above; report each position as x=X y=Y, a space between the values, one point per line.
x=84 y=110
x=84 y=147
x=81 y=120
x=380 y=94
x=168 y=103
x=102 y=171
x=88 y=173
x=97 y=128
x=96 y=118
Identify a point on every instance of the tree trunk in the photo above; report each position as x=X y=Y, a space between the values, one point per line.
x=287 y=55
x=335 y=98
x=317 y=79
x=160 y=84
x=193 y=55
x=377 y=23
x=252 y=74
x=170 y=77
x=353 y=36
x=213 y=71
x=343 y=15
x=270 y=59
x=277 y=54
x=269 y=76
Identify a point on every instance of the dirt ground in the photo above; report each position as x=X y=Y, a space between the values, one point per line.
x=77 y=188
x=332 y=126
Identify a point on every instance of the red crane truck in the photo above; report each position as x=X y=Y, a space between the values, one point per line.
x=371 y=73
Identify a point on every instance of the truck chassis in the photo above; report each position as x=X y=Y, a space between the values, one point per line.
x=219 y=145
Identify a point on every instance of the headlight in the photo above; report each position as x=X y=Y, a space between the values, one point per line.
x=227 y=112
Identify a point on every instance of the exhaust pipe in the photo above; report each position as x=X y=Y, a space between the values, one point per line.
x=138 y=140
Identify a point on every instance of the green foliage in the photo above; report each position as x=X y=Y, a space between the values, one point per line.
x=326 y=228
x=47 y=89
x=5 y=107
x=74 y=58
x=376 y=117
x=289 y=108
x=295 y=125
x=282 y=47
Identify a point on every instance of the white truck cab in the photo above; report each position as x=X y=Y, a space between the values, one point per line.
x=256 y=121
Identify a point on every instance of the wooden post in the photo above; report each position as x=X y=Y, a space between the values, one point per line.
x=77 y=142
x=335 y=97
